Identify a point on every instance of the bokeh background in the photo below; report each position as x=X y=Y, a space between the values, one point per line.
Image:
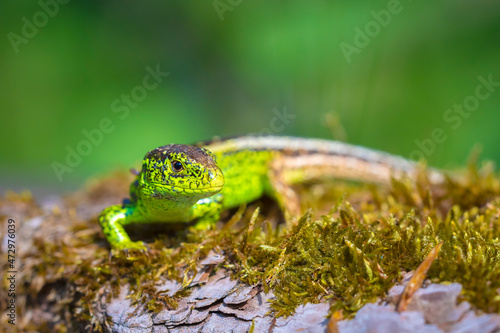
x=233 y=65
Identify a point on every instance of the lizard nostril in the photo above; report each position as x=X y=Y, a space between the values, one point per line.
x=216 y=179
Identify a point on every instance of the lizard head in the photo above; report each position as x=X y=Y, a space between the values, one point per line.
x=182 y=170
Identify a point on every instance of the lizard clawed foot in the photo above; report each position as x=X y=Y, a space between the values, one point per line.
x=129 y=249
x=204 y=225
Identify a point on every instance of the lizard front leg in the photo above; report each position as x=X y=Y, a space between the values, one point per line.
x=112 y=220
x=281 y=188
x=207 y=211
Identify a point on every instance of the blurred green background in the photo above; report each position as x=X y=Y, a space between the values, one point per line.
x=230 y=64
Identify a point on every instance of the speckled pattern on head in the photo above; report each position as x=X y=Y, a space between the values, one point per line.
x=195 y=154
x=197 y=168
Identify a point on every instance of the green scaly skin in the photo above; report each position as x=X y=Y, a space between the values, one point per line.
x=182 y=183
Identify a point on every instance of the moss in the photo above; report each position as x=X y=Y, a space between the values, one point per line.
x=365 y=241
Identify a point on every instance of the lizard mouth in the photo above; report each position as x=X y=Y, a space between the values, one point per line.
x=200 y=190
x=187 y=190
x=215 y=185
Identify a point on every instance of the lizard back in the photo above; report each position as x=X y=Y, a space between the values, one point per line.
x=246 y=162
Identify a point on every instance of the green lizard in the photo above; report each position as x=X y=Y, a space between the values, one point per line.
x=182 y=183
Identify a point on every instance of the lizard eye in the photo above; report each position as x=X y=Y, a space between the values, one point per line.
x=177 y=166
